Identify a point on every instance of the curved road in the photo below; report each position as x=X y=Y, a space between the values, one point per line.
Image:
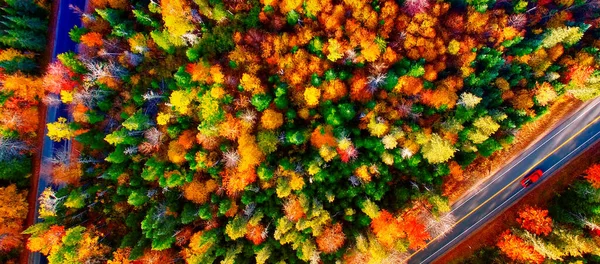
x=566 y=141
x=66 y=20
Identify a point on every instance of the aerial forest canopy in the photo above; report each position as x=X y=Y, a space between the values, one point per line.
x=297 y=131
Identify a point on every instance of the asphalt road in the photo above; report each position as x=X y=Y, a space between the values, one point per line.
x=66 y=20
x=554 y=150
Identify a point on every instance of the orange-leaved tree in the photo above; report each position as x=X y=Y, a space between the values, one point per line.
x=331 y=239
x=387 y=229
x=255 y=233
x=293 y=209
x=322 y=136
x=69 y=173
x=13 y=210
x=23 y=86
x=45 y=241
x=199 y=192
x=92 y=39
x=535 y=220
x=517 y=249
x=20 y=116
x=415 y=232
x=157 y=256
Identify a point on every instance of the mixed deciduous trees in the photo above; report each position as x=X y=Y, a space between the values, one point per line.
x=294 y=130
x=517 y=249
x=23 y=28
x=73 y=245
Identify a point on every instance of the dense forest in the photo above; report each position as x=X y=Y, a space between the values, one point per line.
x=565 y=232
x=23 y=27
x=282 y=131
x=21 y=91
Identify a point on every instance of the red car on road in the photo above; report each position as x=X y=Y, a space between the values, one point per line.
x=531 y=178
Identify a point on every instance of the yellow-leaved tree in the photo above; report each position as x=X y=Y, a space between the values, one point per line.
x=566 y=35
x=437 y=150
x=485 y=126
x=60 y=130
x=176 y=15
x=181 y=101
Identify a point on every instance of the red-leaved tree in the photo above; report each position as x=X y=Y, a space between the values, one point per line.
x=593 y=175
x=58 y=78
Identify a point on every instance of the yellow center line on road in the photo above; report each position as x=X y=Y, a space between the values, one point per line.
x=509 y=184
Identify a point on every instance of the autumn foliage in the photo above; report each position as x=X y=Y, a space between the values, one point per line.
x=92 y=39
x=67 y=173
x=389 y=230
x=22 y=86
x=199 y=192
x=535 y=220
x=43 y=243
x=415 y=232
x=58 y=78
x=302 y=131
x=592 y=175
x=22 y=45
x=331 y=239
x=255 y=233
x=516 y=249
x=13 y=210
x=293 y=209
